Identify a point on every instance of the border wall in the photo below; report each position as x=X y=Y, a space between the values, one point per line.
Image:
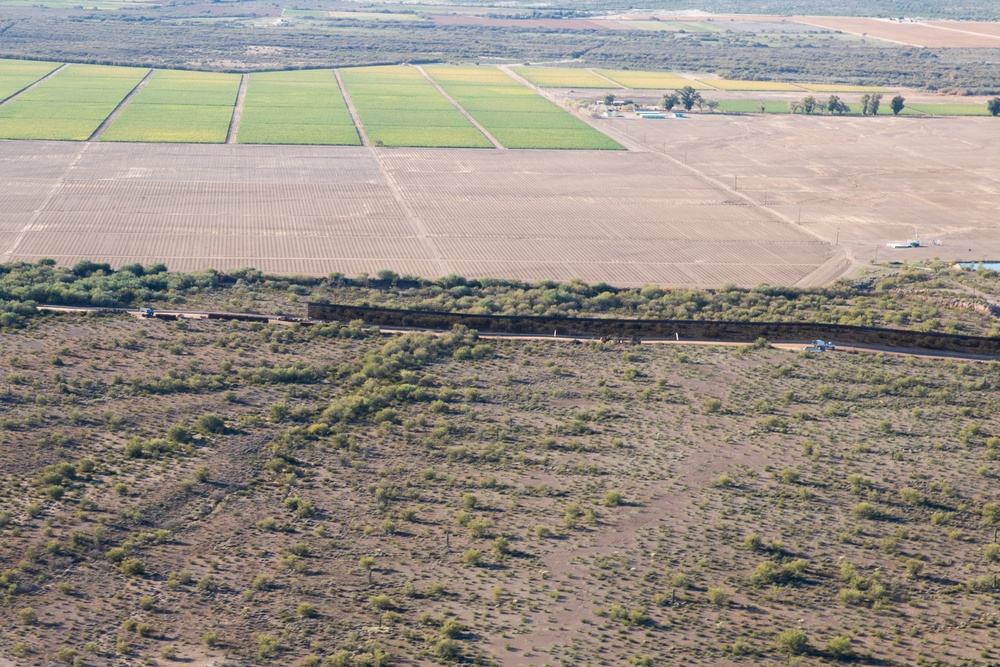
x=591 y=327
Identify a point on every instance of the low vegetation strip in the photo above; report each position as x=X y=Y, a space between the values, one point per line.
x=722 y=331
x=399 y=107
x=70 y=105
x=296 y=108
x=517 y=116
x=16 y=75
x=563 y=77
x=177 y=106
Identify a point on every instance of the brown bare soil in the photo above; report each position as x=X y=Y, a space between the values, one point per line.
x=928 y=35
x=868 y=181
x=992 y=29
x=625 y=218
x=522 y=503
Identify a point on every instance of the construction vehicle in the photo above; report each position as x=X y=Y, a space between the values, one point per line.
x=820 y=346
x=145 y=312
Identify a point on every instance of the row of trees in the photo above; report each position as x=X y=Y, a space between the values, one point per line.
x=870 y=103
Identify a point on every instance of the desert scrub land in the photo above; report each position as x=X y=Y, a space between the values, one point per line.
x=251 y=494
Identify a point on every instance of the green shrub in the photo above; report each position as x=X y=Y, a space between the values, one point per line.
x=840 y=648
x=132 y=567
x=793 y=642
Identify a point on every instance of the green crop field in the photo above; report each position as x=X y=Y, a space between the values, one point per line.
x=763 y=86
x=650 y=80
x=517 y=116
x=16 y=75
x=399 y=107
x=752 y=106
x=71 y=105
x=951 y=109
x=563 y=77
x=176 y=106
x=296 y=108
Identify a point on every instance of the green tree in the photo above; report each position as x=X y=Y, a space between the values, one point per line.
x=897 y=104
x=837 y=105
x=609 y=99
x=367 y=563
x=993 y=106
x=871 y=103
x=688 y=97
x=669 y=101
x=809 y=104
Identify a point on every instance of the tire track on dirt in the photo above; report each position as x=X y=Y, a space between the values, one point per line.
x=351 y=109
x=234 y=124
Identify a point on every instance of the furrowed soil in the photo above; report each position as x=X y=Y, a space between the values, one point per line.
x=210 y=493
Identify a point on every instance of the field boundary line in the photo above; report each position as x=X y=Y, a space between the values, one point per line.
x=113 y=116
x=37 y=213
x=234 y=122
x=628 y=145
x=355 y=118
x=461 y=109
x=608 y=79
x=12 y=96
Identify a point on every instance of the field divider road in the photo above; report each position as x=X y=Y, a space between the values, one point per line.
x=234 y=124
x=13 y=96
x=611 y=81
x=461 y=109
x=352 y=110
x=113 y=116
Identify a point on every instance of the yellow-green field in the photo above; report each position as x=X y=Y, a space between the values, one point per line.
x=840 y=88
x=70 y=105
x=296 y=108
x=177 y=106
x=399 y=107
x=650 y=80
x=563 y=77
x=762 y=86
x=517 y=116
x=16 y=75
